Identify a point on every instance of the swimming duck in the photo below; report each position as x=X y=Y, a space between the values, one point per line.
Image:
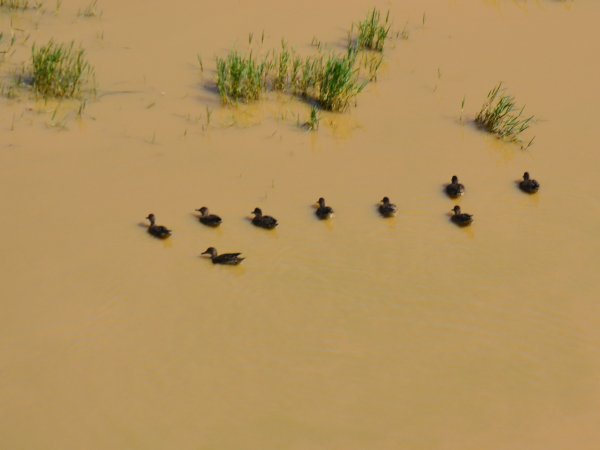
x=259 y=220
x=211 y=220
x=528 y=185
x=460 y=218
x=323 y=212
x=387 y=209
x=455 y=189
x=157 y=230
x=232 y=259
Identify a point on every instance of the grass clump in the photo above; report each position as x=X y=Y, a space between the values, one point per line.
x=90 y=10
x=500 y=115
x=310 y=72
x=338 y=84
x=59 y=70
x=372 y=32
x=20 y=4
x=333 y=82
x=283 y=65
x=240 y=78
x=313 y=123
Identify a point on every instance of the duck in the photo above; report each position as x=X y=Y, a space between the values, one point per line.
x=157 y=230
x=323 y=212
x=259 y=220
x=455 y=189
x=387 y=209
x=528 y=185
x=460 y=218
x=211 y=220
x=231 y=259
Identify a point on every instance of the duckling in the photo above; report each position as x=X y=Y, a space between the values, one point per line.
x=157 y=230
x=259 y=220
x=528 y=185
x=231 y=259
x=323 y=212
x=460 y=218
x=455 y=189
x=387 y=209
x=211 y=220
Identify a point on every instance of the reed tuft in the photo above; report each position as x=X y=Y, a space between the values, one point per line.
x=240 y=78
x=372 y=32
x=20 y=4
x=499 y=115
x=59 y=70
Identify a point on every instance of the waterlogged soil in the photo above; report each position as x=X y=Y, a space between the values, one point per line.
x=355 y=333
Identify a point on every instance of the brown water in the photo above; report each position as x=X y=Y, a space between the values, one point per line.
x=359 y=333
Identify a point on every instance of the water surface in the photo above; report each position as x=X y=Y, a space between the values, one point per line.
x=352 y=334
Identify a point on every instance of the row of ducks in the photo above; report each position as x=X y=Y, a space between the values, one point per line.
x=387 y=209
x=527 y=184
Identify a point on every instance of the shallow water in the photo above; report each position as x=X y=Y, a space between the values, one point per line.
x=354 y=333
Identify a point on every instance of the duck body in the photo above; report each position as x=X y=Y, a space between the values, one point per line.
x=157 y=231
x=230 y=259
x=210 y=220
x=455 y=189
x=529 y=185
x=323 y=212
x=460 y=218
x=387 y=209
x=261 y=221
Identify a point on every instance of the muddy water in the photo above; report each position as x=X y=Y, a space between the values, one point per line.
x=351 y=334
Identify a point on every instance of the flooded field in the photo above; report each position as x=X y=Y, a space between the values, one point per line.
x=354 y=333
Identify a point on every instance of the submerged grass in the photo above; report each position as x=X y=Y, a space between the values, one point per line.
x=59 y=70
x=313 y=123
x=500 y=115
x=91 y=10
x=283 y=61
x=240 y=78
x=332 y=81
x=372 y=32
x=20 y=4
x=339 y=84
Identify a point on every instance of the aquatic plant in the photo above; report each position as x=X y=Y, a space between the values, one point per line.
x=240 y=78
x=310 y=75
x=283 y=60
x=339 y=83
x=59 y=70
x=20 y=4
x=332 y=81
x=295 y=72
x=372 y=62
x=372 y=33
x=91 y=10
x=500 y=115
x=313 y=123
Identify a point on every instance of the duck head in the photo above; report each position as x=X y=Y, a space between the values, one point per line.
x=454 y=179
x=321 y=202
x=257 y=212
x=385 y=200
x=210 y=251
x=151 y=218
x=526 y=176
x=203 y=210
x=456 y=210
